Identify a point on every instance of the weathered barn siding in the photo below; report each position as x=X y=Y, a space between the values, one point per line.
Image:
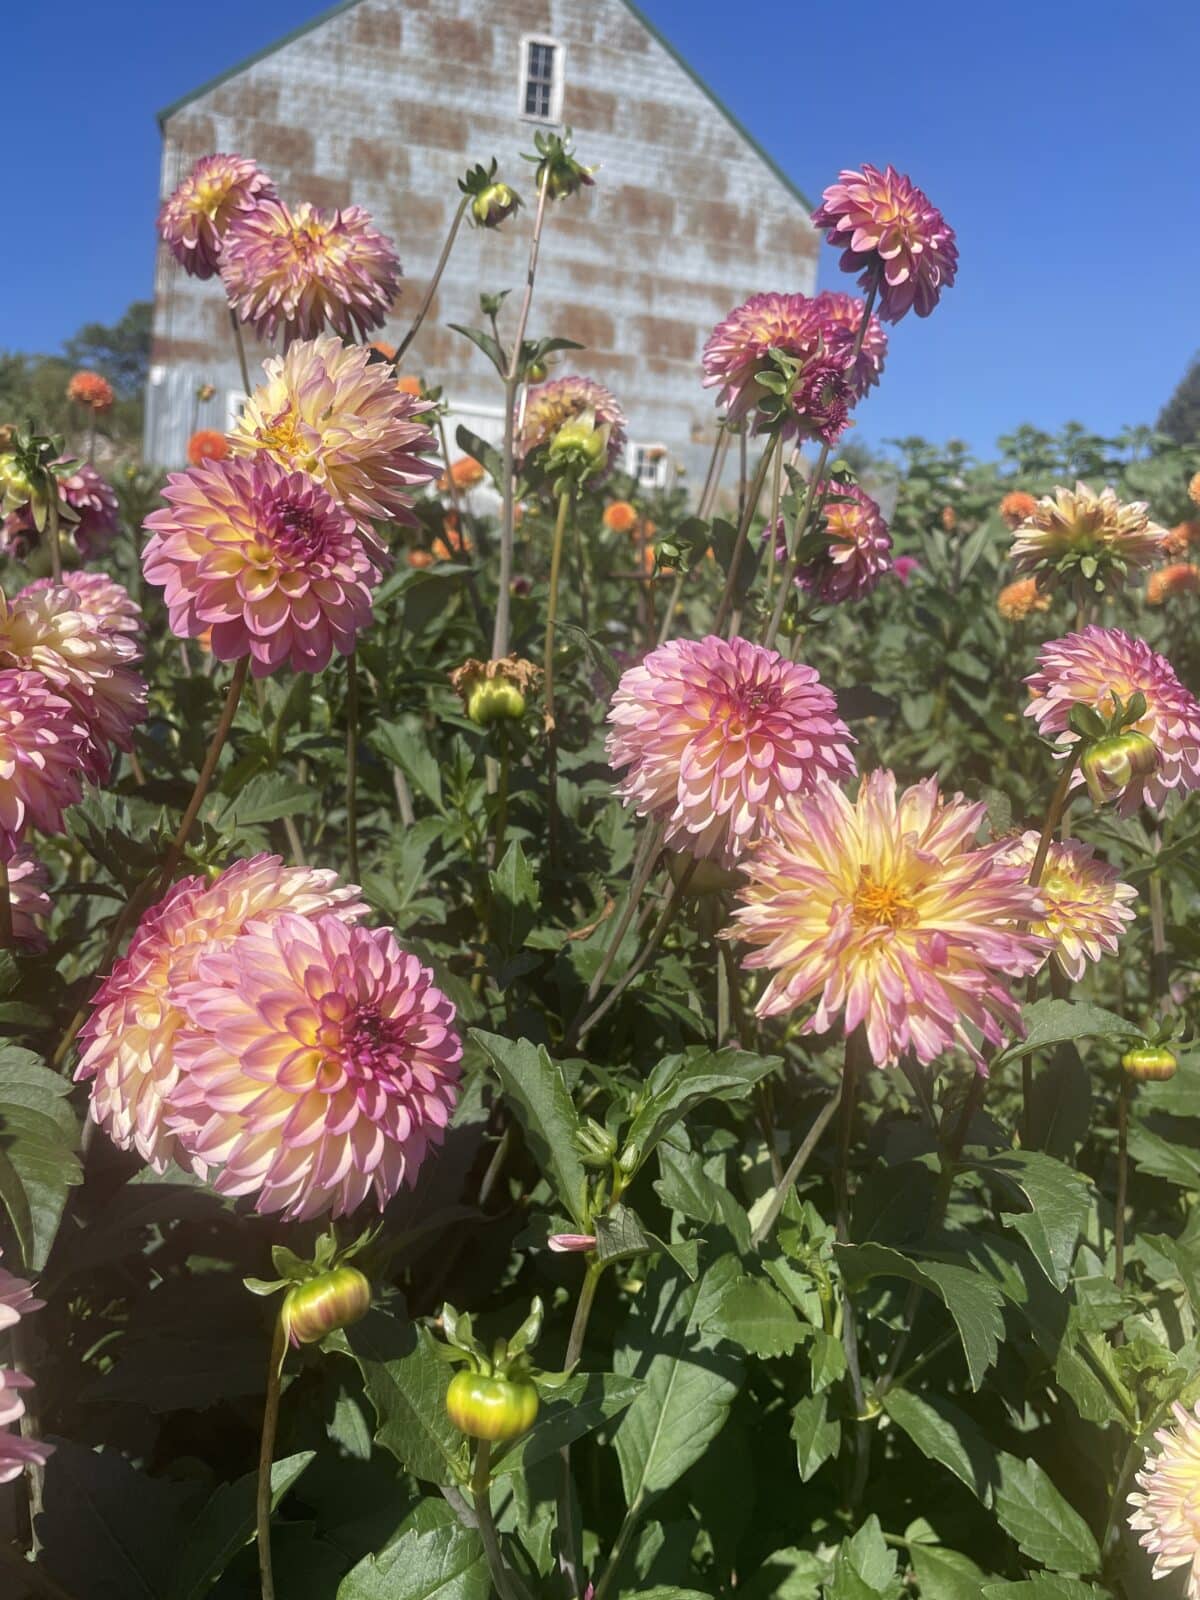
x=385 y=103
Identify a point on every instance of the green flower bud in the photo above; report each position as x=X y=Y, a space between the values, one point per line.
x=491 y=1408
x=320 y=1305
x=1111 y=764
x=16 y=487
x=1147 y=1063
x=494 y=691
x=494 y=701
x=492 y=205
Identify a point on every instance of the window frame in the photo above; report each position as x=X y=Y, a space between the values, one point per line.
x=661 y=461
x=557 y=75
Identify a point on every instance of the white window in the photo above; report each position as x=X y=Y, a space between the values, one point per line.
x=541 y=79
x=648 y=464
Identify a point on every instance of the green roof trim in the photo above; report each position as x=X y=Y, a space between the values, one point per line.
x=345 y=5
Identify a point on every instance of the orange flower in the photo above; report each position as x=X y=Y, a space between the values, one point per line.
x=407 y=384
x=1015 y=507
x=949 y=518
x=620 y=517
x=1181 y=536
x=207 y=445
x=90 y=389
x=1018 y=600
x=1181 y=577
x=387 y=351
x=452 y=545
x=1194 y=489
x=648 y=528
x=465 y=473
x=419 y=558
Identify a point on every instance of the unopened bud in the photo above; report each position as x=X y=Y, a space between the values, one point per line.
x=1110 y=765
x=1149 y=1064
x=16 y=487
x=494 y=691
x=492 y=205
x=321 y=1305
x=596 y=1145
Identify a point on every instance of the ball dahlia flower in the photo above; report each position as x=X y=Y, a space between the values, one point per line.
x=309 y=270
x=328 y=410
x=1088 y=669
x=108 y=603
x=1016 y=508
x=265 y=558
x=858 y=549
x=620 y=517
x=887 y=229
x=842 y=314
x=44 y=748
x=194 y=220
x=127 y=1046
x=30 y=906
x=561 y=400
x=91 y=390
x=89 y=510
x=715 y=734
x=1021 y=599
x=1166 y=1503
x=1075 y=526
x=1086 y=906
x=318 y=1065
x=206 y=444
x=465 y=473
x=1181 y=577
x=886 y=913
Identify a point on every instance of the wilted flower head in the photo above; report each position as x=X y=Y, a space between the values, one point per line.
x=267 y=559
x=1088 y=669
x=1166 y=1503
x=216 y=192
x=715 y=734
x=326 y=409
x=887 y=229
x=319 y=1064
x=1078 y=530
x=1086 y=906
x=88 y=508
x=1021 y=599
x=1181 y=577
x=565 y=400
x=822 y=399
x=495 y=691
x=491 y=202
x=884 y=911
x=127 y=1047
x=91 y=390
x=309 y=270
x=206 y=444
x=1016 y=507
x=857 y=551
x=44 y=748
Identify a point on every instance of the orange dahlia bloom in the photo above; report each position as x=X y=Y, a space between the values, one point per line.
x=465 y=473
x=207 y=445
x=1016 y=601
x=408 y=384
x=620 y=517
x=387 y=351
x=1194 y=490
x=419 y=558
x=90 y=389
x=453 y=544
x=1181 y=577
x=1016 y=507
x=1180 y=538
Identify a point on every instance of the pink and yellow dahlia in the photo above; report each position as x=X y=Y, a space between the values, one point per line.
x=842 y=314
x=1166 y=1503
x=318 y=1065
x=886 y=912
x=328 y=410
x=307 y=271
x=30 y=907
x=1181 y=577
x=44 y=748
x=561 y=400
x=194 y=220
x=127 y=1046
x=887 y=229
x=107 y=603
x=715 y=734
x=858 y=550
x=1088 y=669
x=17 y=1299
x=1078 y=525
x=1087 y=907
x=267 y=560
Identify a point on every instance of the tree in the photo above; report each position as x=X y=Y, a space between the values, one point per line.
x=121 y=352
x=1180 y=417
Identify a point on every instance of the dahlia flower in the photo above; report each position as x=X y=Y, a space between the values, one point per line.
x=1167 y=1500
x=91 y=390
x=1194 y=489
x=17 y=1453
x=1021 y=599
x=89 y=511
x=1086 y=906
x=884 y=911
x=620 y=517
x=842 y=313
x=30 y=907
x=1080 y=528
x=219 y=190
x=309 y=270
x=267 y=559
x=127 y=1046
x=904 y=567
x=328 y=410
x=1177 y=541
x=44 y=747
x=1181 y=577
x=858 y=550
x=206 y=444
x=549 y=405
x=52 y=630
x=887 y=229
x=109 y=605
x=465 y=473
x=1016 y=507
x=318 y=1064
x=17 y=1299
x=1088 y=669
x=715 y=735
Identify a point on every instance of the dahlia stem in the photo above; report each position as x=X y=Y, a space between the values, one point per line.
x=295 y=844
x=92 y=439
x=648 y=950
x=795 y=1167
x=241 y=350
x=643 y=870
x=1122 y=1184
x=739 y=544
x=773 y=522
x=352 y=765
x=712 y=483
x=570 y=1556
x=228 y=712
x=423 y=311
x=560 y=523
x=481 y=1493
x=52 y=531
x=1054 y=813
x=7 y=937
x=1160 y=971
x=849 y=1103
x=266 y=1455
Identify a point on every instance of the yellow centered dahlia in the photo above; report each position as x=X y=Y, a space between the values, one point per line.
x=716 y=734
x=1181 y=577
x=1021 y=599
x=1086 y=905
x=1078 y=528
x=889 y=230
x=328 y=410
x=1167 y=1500
x=127 y=1046
x=44 y=747
x=194 y=220
x=319 y=1064
x=309 y=270
x=884 y=911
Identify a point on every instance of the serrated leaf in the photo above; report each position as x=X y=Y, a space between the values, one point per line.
x=945 y=1574
x=864 y=1566
x=406 y=748
x=1050 y=1022
x=817 y=1436
x=1044 y=1525
x=445 y=1563
x=406 y=1384
x=621 y=1236
x=1152 y=1154
x=534 y=1085
x=1043 y=1587
x=225 y=1525
x=753 y=1314
x=945 y=1434
x=39 y=1136
x=681 y=1082
x=583 y=1404
x=265 y=798
x=515 y=900
x=1059 y=1201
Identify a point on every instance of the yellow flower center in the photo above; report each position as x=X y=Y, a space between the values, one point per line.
x=284 y=438
x=210 y=195
x=881 y=904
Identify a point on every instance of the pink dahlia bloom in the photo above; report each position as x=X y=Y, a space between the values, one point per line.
x=309 y=270
x=1087 y=907
x=218 y=191
x=328 y=410
x=715 y=734
x=127 y=1046
x=44 y=748
x=17 y=1299
x=1088 y=669
x=319 y=1065
x=842 y=314
x=30 y=904
x=57 y=631
x=885 y=912
x=904 y=567
x=108 y=603
x=1166 y=1503
x=887 y=229
x=90 y=511
x=16 y=1452
x=858 y=550
x=264 y=558
x=549 y=405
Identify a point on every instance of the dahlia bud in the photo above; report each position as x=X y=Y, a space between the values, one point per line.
x=322 y=1305
x=495 y=691
x=491 y=206
x=16 y=487
x=595 y=1144
x=1149 y=1064
x=536 y=371
x=1111 y=764
x=205 y=391
x=579 y=447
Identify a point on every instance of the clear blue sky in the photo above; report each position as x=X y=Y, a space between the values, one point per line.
x=1059 y=137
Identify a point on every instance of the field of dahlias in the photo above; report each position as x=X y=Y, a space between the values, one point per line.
x=570 y=1045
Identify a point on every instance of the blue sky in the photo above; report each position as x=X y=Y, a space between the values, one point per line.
x=1059 y=137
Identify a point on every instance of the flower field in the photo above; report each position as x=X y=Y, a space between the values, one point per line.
x=574 y=1043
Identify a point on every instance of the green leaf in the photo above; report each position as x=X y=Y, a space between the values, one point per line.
x=1060 y=1106
x=1178 y=1096
x=864 y=1566
x=1044 y=1526
x=39 y=1135
x=945 y=1574
x=681 y=1082
x=515 y=900
x=582 y=1404
x=1043 y=1587
x=1059 y=1201
x=406 y=1384
x=752 y=1313
x=1152 y=1154
x=1050 y=1022
x=534 y=1085
x=686 y=1187
x=445 y=1563
x=620 y=1236
x=945 y=1434
x=406 y=748
x=817 y=1436
x=265 y=798
x=226 y=1524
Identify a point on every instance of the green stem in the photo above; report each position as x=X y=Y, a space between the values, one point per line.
x=481 y=1492
x=1122 y=1184
x=739 y=544
x=423 y=311
x=1160 y=970
x=241 y=349
x=560 y=523
x=266 y=1455
x=656 y=938
x=52 y=530
x=570 y=1556
x=352 y=765
x=795 y=1167
x=644 y=861
x=849 y=1097
x=220 y=734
